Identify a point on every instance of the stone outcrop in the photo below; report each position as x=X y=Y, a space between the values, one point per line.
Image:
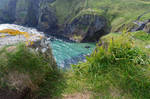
x=10 y=39
x=37 y=40
x=147 y=27
x=47 y=19
x=136 y=26
x=22 y=81
x=33 y=13
x=87 y=28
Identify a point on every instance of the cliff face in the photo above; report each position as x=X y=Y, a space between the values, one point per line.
x=80 y=20
x=61 y=17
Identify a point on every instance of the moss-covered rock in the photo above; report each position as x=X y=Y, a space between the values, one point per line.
x=87 y=26
x=128 y=27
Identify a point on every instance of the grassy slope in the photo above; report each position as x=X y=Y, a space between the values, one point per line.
x=65 y=8
x=118 y=11
x=117 y=70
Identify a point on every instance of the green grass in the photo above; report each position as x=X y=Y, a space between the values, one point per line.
x=119 y=69
x=118 y=12
x=24 y=68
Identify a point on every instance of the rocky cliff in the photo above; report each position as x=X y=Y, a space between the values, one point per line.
x=62 y=17
x=25 y=68
x=80 y=20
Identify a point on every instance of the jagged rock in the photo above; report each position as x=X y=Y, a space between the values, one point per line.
x=147 y=28
x=40 y=42
x=87 y=28
x=33 y=13
x=47 y=19
x=8 y=39
x=44 y=15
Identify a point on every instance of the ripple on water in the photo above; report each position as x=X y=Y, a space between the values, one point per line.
x=67 y=53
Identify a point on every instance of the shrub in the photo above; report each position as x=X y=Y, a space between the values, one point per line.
x=22 y=68
x=116 y=69
x=142 y=36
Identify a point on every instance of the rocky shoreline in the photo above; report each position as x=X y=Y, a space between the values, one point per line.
x=41 y=14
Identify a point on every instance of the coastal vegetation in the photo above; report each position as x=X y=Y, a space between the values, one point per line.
x=118 y=69
x=118 y=12
x=28 y=73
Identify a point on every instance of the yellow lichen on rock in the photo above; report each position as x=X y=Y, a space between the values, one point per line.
x=17 y=32
x=11 y=31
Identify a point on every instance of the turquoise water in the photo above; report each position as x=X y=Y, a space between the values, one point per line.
x=67 y=53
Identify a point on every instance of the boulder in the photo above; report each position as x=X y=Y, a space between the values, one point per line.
x=10 y=39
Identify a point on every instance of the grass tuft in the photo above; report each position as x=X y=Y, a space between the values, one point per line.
x=21 y=67
x=118 y=69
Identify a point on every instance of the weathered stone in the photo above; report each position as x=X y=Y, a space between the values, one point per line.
x=88 y=27
x=8 y=39
x=44 y=15
x=47 y=19
x=147 y=28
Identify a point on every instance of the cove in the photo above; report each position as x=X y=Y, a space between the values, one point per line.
x=65 y=52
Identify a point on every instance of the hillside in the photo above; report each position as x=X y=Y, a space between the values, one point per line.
x=118 y=69
x=118 y=12
x=78 y=20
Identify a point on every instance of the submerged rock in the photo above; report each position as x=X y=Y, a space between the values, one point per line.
x=87 y=46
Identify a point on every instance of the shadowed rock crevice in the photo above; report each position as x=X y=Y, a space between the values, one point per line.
x=32 y=15
x=7 y=15
x=88 y=28
x=81 y=26
x=47 y=20
x=95 y=37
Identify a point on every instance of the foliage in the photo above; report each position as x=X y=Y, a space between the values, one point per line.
x=21 y=67
x=116 y=69
x=142 y=36
x=118 y=12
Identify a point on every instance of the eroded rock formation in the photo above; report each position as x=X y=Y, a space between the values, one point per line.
x=45 y=15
